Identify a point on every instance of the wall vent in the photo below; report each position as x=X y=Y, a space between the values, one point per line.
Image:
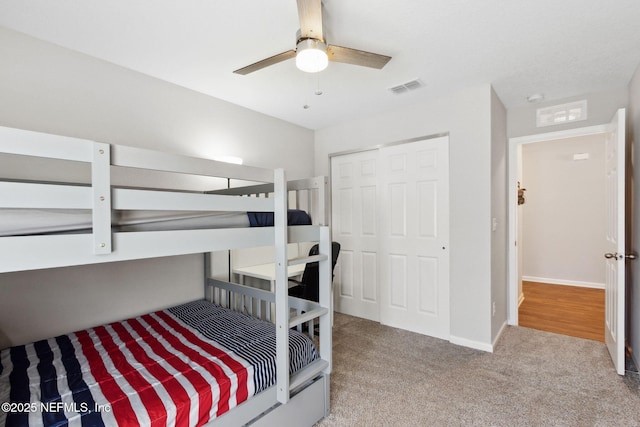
x=406 y=87
x=561 y=114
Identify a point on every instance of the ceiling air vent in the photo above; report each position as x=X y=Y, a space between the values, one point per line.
x=406 y=87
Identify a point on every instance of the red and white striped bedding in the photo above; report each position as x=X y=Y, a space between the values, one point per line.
x=182 y=366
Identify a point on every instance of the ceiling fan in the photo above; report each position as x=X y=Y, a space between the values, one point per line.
x=312 y=53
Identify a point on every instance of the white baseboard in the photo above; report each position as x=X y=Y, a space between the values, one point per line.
x=500 y=332
x=471 y=344
x=563 y=282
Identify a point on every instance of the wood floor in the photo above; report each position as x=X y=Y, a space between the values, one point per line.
x=567 y=310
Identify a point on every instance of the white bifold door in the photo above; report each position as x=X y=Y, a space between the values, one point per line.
x=391 y=216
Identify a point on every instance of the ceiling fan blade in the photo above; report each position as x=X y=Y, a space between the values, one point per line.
x=357 y=57
x=266 y=62
x=310 y=14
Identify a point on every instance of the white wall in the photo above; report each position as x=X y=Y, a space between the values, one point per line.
x=564 y=216
x=633 y=285
x=499 y=259
x=466 y=115
x=51 y=89
x=47 y=88
x=43 y=303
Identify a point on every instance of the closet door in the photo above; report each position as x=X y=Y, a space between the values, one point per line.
x=354 y=187
x=414 y=241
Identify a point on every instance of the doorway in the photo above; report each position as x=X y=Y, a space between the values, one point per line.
x=561 y=224
x=557 y=262
x=615 y=250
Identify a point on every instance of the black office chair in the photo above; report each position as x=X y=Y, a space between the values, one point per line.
x=309 y=286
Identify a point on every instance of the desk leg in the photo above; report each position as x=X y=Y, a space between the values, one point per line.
x=272 y=312
x=241 y=282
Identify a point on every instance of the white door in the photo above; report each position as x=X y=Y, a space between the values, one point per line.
x=414 y=246
x=615 y=256
x=354 y=186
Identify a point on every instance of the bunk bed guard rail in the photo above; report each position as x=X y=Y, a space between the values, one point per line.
x=102 y=197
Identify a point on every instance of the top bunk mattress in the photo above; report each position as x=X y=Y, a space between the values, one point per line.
x=21 y=222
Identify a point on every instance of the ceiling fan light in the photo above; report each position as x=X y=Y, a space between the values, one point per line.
x=311 y=56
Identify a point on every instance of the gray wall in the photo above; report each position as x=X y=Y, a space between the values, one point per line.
x=499 y=259
x=466 y=115
x=51 y=89
x=633 y=291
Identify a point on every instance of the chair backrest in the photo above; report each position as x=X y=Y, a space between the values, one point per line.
x=311 y=274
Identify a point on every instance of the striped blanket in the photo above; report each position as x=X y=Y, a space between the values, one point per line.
x=182 y=366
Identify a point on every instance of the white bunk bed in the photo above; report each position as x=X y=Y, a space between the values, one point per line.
x=304 y=396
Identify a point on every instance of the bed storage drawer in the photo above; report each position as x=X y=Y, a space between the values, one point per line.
x=305 y=412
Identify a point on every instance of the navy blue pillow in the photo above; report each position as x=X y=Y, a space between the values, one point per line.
x=265 y=219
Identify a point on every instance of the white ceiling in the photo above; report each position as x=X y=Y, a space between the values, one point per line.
x=559 y=48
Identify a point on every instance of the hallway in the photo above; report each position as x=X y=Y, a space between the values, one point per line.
x=567 y=310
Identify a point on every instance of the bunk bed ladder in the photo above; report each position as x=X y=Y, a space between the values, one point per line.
x=281 y=287
x=285 y=384
x=325 y=294
x=323 y=313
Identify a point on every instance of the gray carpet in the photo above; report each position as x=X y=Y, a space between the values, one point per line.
x=388 y=377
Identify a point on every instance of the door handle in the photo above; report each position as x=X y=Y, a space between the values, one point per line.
x=631 y=257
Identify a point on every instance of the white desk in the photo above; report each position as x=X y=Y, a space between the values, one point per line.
x=266 y=272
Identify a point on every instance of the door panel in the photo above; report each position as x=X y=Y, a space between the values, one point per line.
x=370 y=276
x=427 y=281
x=397 y=197
x=369 y=200
x=615 y=252
x=344 y=273
x=427 y=209
x=398 y=292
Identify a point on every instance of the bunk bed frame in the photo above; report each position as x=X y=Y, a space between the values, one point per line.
x=303 y=396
